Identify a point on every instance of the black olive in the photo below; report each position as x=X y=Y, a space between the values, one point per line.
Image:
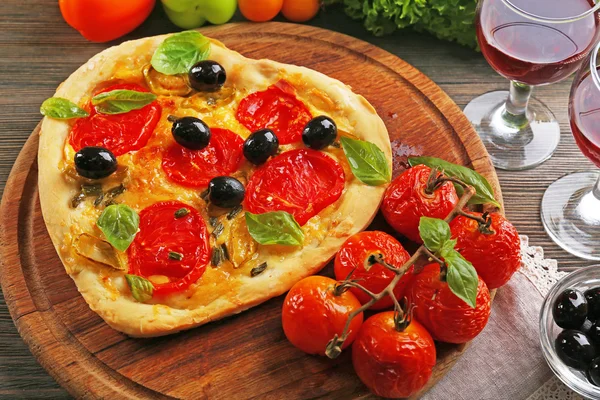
x=191 y=133
x=594 y=333
x=570 y=309
x=95 y=162
x=261 y=145
x=593 y=299
x=593 y=372
x=319 y=133
x=575 y=349
x=226 y=192
x=207 y=76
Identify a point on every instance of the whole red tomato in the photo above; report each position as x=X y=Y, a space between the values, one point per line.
x=407 y=199
x=105 y=20
x=351 y=259
x=393 y=363
x=496 y=255
x=447 y=317
x=312 y=314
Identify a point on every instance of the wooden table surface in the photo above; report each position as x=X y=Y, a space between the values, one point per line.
x=38 y=51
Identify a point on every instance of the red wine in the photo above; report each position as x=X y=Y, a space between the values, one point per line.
x=533 y=52
x=584 y=111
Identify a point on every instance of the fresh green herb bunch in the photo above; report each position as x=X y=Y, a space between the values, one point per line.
x=447 y=19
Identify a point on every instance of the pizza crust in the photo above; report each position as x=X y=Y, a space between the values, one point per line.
x=106 y=291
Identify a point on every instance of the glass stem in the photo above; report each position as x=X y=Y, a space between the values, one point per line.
x=515 y=113
x=596 y=190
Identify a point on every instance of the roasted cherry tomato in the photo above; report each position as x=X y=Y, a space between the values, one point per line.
x=406 y=200
x=195 y=168
x=312 y=314
x=354 y=254
x=301 y=182
x=105 y=20
x=393 y=363
x=161 y=235
x=276 y=108
x=119 y=133
x=496 y=256
x=447 y=317
x=260 y=10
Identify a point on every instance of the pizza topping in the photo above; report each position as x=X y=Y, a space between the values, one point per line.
x=217 y=256
x=195 y=168
x=99 y=251
x=141 y=288
x=95 y=162
x=192 y=133
x=276 y=108
x=207 y=76
x=179 y=52
x=173 y=255
x=121 y=101
x=258 y=270
x=119 y=223
x=120 y=133
x=319 y=133
x=234 y=213
x=59 y=108
x=162 y=234
x=261 y=145
x=275 y=227
x=182 y=212
x=301 y=182
x=166 y=85
x=367 y=162
x=226 y=192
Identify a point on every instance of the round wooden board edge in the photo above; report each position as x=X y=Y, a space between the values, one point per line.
x=67 y=373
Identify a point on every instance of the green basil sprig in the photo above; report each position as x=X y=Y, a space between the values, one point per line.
x=276 y=227
x=121 y=101
x=461 y=275
x=179 y=52
x=141 y=288
x=59 y=108
x=485 y=193
x=120 y=224
x=367 y=162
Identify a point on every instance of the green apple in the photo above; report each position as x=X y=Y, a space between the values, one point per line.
x=189 y=14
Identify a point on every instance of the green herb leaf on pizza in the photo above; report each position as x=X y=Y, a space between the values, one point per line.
x=141 y=288
x=179 y=52
x=121 y=101
x=276 y=227
x=120 y=224
x=367 y=162
x=59 y=108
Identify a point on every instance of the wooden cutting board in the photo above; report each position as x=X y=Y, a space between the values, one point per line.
x=245 y=356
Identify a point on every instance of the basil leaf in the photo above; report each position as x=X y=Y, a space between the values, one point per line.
x=120 y=224
x=121 y=101
x=434 y=232
x=367 y=161
x=485 y=193
x=447 y=248
x=141 y=288
x=462 y=278
x=277 y=227
x=59 y=108
x=179 y=52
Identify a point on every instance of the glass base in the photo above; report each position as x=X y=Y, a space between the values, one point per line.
x=514 y=143
x=571 y=214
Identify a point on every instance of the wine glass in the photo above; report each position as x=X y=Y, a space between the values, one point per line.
x=571 y=205
x=532 y=43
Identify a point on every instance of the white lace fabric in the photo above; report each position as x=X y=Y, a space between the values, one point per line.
x=505 y=361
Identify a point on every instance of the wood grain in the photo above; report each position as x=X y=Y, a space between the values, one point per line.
x=91 y=360
x=39 y=51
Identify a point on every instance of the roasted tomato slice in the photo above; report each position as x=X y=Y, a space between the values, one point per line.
x=195 y=168
x=351 y=259
x=301 y=182
x=161 y=234
x=276 y=108
x=120 y=133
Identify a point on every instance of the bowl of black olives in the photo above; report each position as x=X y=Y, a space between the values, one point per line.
x=570 y=330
